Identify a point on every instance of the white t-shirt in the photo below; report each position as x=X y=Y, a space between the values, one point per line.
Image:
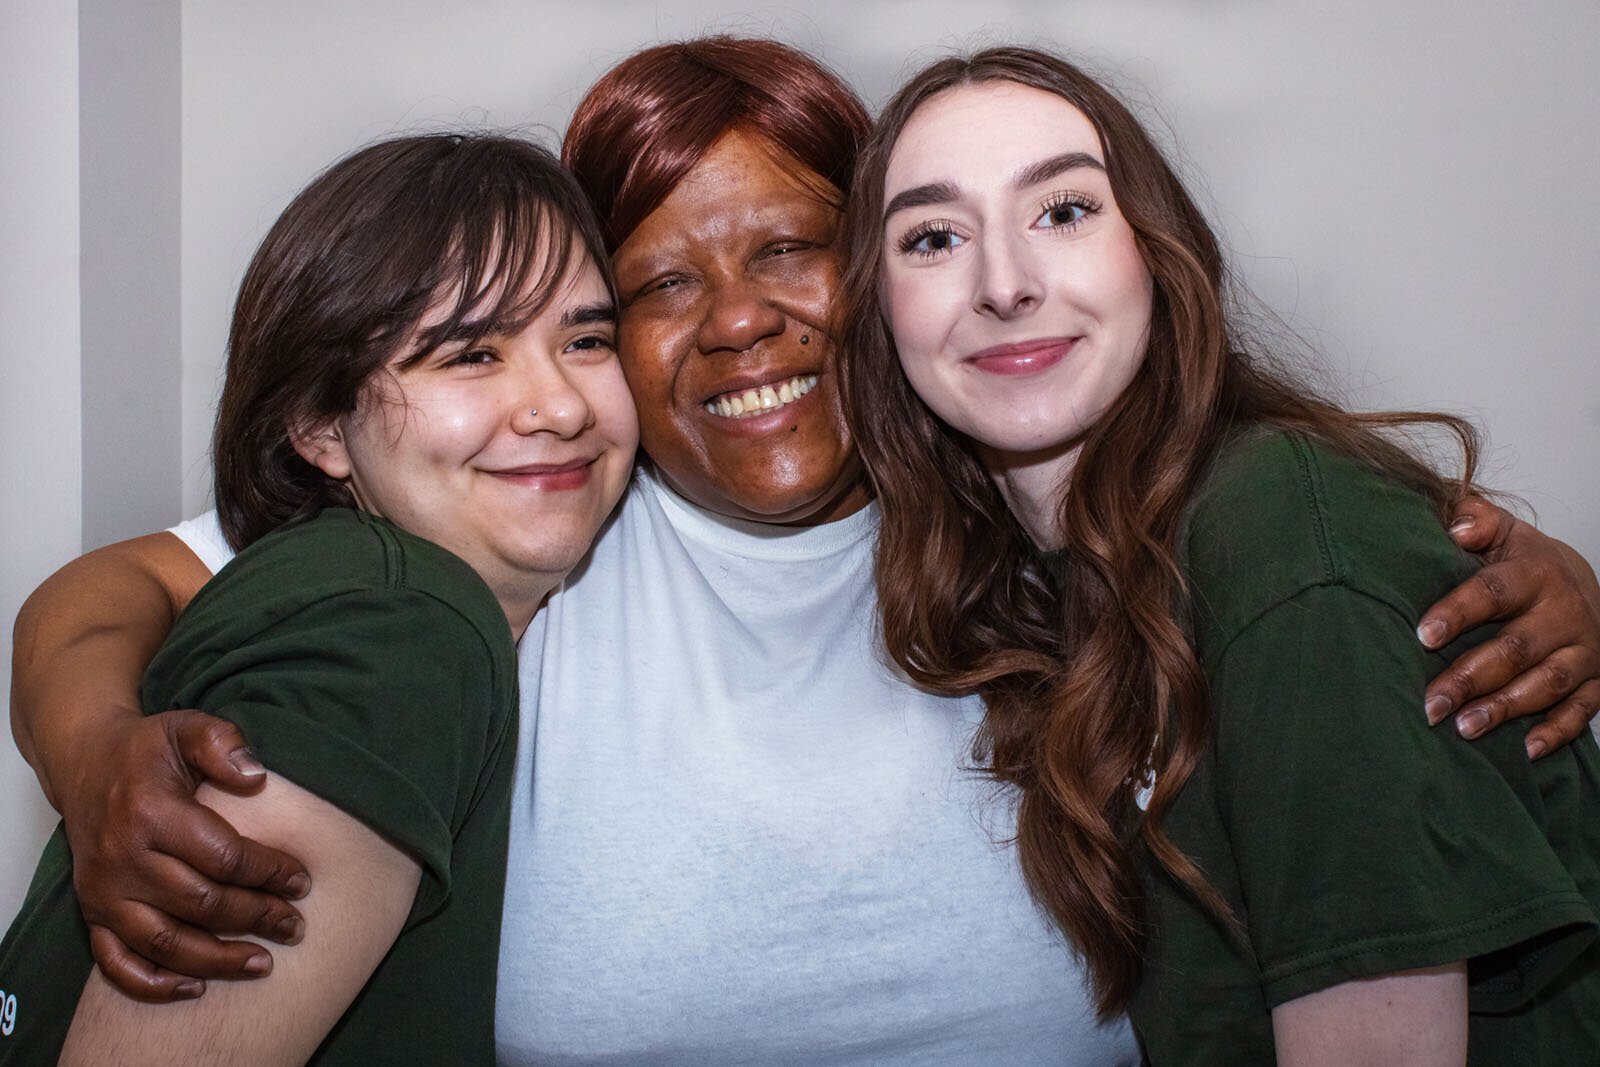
x=737 y=837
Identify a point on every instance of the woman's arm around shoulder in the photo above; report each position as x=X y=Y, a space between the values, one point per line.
x=1546 y=658
x=149 y=860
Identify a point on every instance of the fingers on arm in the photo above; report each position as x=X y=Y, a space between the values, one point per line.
x=364 y=891
x=151 y=860
x=136 y=976
x=1566 y=722
x=215 y=750
x=1479 y=526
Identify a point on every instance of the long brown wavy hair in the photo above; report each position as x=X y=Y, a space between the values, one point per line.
x=1091 y=683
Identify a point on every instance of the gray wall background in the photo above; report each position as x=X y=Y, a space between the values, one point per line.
x=1410 y=186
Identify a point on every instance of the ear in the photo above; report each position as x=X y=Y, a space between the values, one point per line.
x=321 y=444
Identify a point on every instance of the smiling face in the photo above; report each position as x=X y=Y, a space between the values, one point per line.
x=726 y=335
x=1014 y=288
x=509 y=450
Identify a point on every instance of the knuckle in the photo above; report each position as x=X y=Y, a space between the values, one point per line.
x=160 y=943
x=1495 y=586
x=214 y=731
x=230 y=861
x=1517 y=650
x=207 y=899
x=1558 y=677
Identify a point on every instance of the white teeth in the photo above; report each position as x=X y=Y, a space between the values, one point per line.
x=763 y=399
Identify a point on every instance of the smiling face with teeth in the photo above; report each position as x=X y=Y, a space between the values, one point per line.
x=728 y=291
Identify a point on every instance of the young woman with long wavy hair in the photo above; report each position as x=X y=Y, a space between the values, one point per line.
x=1185 y=587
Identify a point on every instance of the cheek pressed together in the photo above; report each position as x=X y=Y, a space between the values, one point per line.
x=509 y=450
x=726 y=334
x=1014 y=287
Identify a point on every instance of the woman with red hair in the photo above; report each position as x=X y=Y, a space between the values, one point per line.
x=737 y=835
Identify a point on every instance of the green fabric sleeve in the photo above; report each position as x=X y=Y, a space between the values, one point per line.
x=379 y=700
x=1366 y=842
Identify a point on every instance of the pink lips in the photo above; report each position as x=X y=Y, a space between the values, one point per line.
x=1029 y=357
x=549 y=477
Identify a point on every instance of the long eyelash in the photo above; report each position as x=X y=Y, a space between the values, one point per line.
x=1056 y=201
x=908 y=243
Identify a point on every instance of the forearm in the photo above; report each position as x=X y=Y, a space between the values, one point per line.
x=82 y=641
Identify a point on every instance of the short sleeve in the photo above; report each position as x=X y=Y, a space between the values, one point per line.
x=203 y=536
x=381 y=701
x=1367 y=843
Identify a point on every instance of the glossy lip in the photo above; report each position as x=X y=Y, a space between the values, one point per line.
x=1024 y=358
x=549 y=477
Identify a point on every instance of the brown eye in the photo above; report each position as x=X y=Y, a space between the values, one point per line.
x=932 y=240
x=1065 y=212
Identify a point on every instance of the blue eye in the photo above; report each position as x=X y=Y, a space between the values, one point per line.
x=932 y=239
x=1065 y=212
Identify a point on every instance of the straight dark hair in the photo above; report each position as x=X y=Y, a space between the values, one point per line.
x=1090 y=684
x=476 y=228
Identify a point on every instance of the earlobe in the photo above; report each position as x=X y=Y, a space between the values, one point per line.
x=322 y=445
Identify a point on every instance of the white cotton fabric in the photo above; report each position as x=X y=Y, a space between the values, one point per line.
x=738 y=838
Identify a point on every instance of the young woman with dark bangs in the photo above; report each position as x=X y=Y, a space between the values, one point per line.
x=423 y=426
x=1185 y=588
x=737 y=836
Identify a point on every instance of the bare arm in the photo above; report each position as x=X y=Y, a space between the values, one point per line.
x=82 y=641
x=1412 y=1019
x=149 y=861
x=1546 y=657
x=364 y=891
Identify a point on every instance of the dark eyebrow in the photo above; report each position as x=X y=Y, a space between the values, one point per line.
x=603 y=312
x=921 y=196
x=600 y=313
x=944 y=192
x=1046 y=169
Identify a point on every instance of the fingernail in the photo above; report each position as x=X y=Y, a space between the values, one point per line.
x=1437 y=707
x=1461 y=525
x=291 y=930
x=297 y=886
x=1431 y=633
x=190 y=989
x=259 y=964
x=244 y=761
x=1470 y=724
x=1536 y=748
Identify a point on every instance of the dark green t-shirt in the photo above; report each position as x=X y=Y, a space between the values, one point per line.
x=377 y=671
x=1351 y=839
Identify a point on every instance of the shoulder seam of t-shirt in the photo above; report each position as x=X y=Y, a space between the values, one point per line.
x=394 y=555
x=1340 y=583
x=1310 y=472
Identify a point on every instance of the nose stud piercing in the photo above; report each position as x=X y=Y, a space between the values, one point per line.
x=534 y=412
x=805 y=338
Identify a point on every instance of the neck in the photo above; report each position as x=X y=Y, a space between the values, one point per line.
x=1033 y=485
x=522 y=602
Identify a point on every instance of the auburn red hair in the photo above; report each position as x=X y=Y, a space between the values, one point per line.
x=1091 y=685
x=645 y=124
